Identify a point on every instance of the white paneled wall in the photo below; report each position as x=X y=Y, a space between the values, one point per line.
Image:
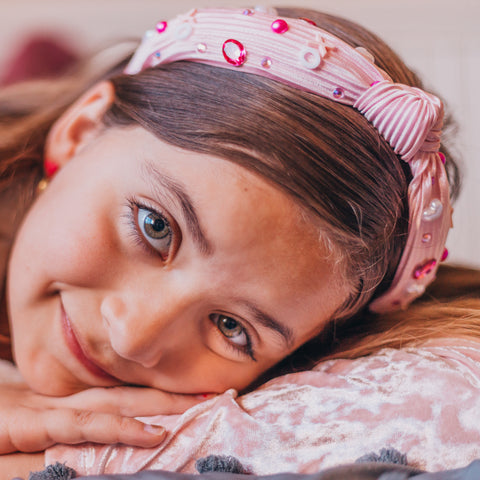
x=440 y=39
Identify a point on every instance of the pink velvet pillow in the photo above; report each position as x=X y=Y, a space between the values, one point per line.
x=422 y=401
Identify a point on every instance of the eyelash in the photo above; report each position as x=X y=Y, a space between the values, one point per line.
x=245 y=350
x=134 y=206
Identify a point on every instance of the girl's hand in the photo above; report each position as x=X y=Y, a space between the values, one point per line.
x=30 y=422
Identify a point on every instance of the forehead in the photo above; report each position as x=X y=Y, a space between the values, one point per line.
x=226 y=194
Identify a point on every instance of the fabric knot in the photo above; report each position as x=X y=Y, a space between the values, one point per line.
x=407 y=117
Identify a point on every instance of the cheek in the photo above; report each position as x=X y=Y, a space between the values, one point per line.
x=219 y=376
x=197 y=369
x=61 y=240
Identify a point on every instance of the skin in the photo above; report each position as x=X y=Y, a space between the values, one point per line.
x=148 y=303
x=152 y=316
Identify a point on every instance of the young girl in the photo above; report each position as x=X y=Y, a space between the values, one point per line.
x=248 y=182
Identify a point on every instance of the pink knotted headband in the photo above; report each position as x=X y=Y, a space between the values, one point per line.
x=298 y=53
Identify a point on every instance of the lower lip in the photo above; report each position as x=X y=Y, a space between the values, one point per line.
x=77 y=351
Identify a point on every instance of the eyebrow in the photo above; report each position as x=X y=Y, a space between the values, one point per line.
x=157 y=178
x=269 y=322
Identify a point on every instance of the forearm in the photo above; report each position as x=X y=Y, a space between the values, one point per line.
x=20 y=464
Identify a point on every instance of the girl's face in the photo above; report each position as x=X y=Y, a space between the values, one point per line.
x=146 y=264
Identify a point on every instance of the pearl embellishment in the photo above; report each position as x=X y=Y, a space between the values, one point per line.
x=433 y=211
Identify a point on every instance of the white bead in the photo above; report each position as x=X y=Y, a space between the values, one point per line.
x=310 y=58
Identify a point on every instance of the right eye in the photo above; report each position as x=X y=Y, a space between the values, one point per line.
x=156 y=230
x=231 y=329
x=235 y=334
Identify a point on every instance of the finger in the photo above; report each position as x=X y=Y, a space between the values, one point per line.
x=71 y=426
x=131 y=401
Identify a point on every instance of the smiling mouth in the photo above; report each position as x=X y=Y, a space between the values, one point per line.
x=77 y=350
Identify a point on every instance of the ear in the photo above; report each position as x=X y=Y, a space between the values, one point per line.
x=79 y=124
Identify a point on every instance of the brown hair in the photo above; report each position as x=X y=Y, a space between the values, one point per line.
x=449 y=308
x=326 y=156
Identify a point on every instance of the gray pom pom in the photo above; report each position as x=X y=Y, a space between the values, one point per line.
x=387 y=455
x=58 y=471
x=219 y=463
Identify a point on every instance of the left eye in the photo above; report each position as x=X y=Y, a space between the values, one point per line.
x=156 y=230
x=231 y=329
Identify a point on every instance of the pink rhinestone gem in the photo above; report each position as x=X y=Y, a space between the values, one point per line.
x=338 y=92
x=444 y=255
x=442 y=157
x=427 y=238
x=423 y=270
x=248 y=11
x=279 y=26
x=234 y=52
x=161 y=27
x=311 y=22
x=266 y=62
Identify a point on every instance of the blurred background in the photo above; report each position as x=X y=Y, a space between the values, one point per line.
x=439 y=39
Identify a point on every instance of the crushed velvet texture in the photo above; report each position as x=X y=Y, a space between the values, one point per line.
x=424 y=402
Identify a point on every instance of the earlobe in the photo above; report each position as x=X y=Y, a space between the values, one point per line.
x=79 y=124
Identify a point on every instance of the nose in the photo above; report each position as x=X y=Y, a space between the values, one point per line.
x=145 y=330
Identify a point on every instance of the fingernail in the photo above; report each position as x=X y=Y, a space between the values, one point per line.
x=154 y=429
